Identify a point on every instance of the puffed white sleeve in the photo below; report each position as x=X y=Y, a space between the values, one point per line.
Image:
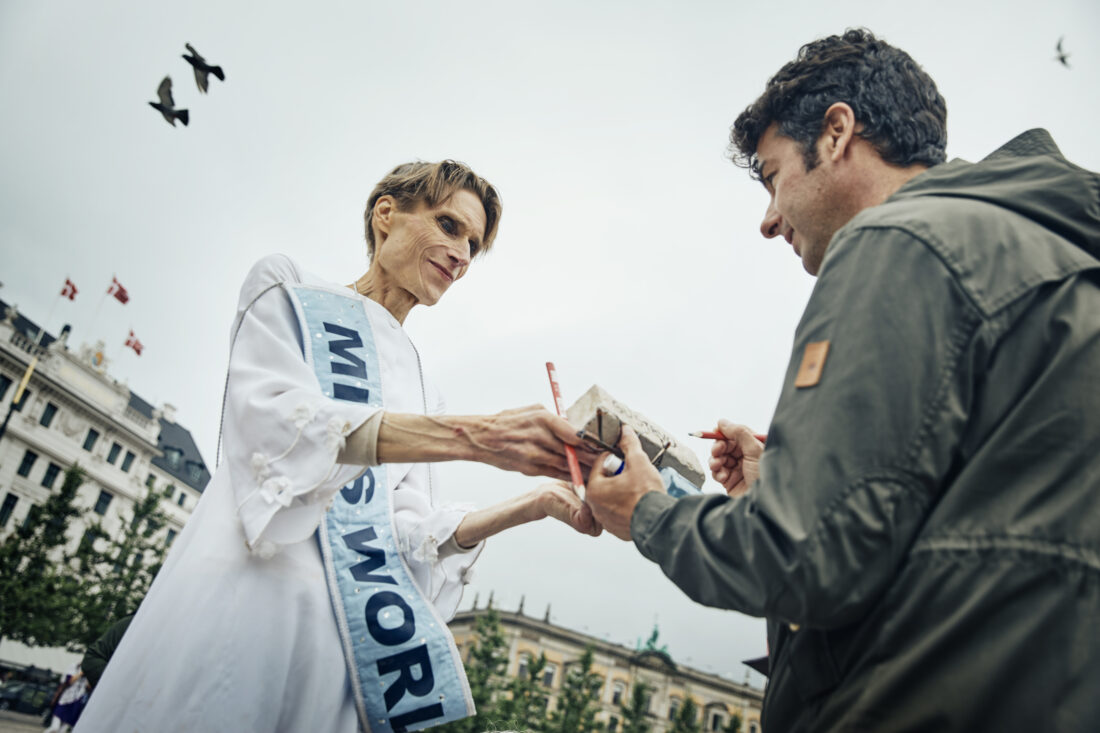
x=441 y=567
x=281 y=435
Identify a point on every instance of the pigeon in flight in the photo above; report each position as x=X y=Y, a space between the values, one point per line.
x=202 y=69
x=1062 y=55
x=167 y=106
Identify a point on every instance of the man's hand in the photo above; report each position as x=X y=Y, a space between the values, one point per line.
x=613 y=498
x=735 y=462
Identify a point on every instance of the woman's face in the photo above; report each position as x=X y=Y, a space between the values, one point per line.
x=426 y=249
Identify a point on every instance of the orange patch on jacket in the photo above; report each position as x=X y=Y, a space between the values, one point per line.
x=813 y=362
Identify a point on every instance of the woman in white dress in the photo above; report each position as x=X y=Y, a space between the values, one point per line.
x=239 y=631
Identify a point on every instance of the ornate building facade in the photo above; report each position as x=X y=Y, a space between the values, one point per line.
x=72 y=411
x=620 y=668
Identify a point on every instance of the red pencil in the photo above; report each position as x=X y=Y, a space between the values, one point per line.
x=570 y=454
x=714 y=435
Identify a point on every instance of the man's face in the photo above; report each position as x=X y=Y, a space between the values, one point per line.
x=803 y=205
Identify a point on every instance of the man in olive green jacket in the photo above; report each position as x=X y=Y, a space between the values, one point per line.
x=922 y=531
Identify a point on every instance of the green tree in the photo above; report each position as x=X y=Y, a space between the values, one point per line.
x=578 y=702
x=37 y=588
x=522 y=707
x=118 y=569
x=483 y=670
x=734 y=725
x=687 y=718
x=634 y=713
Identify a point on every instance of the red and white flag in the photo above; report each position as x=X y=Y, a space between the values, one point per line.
x=69 y=290
x=118 y=291
x=133 y=342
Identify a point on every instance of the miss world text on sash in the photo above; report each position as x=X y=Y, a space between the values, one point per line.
x=405 y=670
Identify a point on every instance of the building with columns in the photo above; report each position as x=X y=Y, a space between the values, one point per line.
x=717 y=698
x=74 y=412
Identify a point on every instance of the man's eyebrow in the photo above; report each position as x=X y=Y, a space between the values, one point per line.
x=760 y=166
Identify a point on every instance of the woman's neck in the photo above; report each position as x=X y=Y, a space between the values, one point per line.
x=376 y=286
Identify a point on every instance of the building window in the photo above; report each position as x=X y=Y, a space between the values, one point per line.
x=47 y=415
x=127 y=461
x=673 y=708
x=613 y=725
x=716 y=721
x=25 y=467
x=150 y=480
x=170 y=491
x=103 y=502
x=5 y=382
x=92 y=437
x=32 y=516
x=171 y=536
x=52 y=472
x=183 y=498
x=87 y=540
x=112 y=455
x=7 y=508
x=617 y=692
x=548 y=675
x=194 y=472
x=753 y=727
x=173 y=456
x=524 y=661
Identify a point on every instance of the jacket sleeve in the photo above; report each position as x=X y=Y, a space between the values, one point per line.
x=282 y=435
x=854 y=463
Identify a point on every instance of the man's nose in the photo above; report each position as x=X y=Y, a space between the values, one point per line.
x=772 y=226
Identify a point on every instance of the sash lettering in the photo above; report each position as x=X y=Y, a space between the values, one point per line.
x=403 y=665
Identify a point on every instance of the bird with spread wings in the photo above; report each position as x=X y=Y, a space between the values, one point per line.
x=202 y=69
x=167 y=106
x=1062 y=55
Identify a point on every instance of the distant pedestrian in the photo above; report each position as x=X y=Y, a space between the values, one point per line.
x=69 y=700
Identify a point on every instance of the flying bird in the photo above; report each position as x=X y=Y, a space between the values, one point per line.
x=202 y=68
x=1062 y=55
x=167 y=106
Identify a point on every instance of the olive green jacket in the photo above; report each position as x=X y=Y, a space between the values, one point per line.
x=924 y=538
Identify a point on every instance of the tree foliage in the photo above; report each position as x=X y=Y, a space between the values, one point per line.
x=523 y=704
x=484 y=670
x=117 y=569
x=734 y=724
x=578 y=702
x=37 y=593
x=687 y=718
x=634 y=712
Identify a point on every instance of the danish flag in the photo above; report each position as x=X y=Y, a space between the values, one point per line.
x=69 y=290
x=118 y=291
x=133 y=342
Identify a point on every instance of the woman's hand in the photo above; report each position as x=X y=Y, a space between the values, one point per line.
x=555 y=500
x=530 y=440
x=559 y=501
x=735 y=462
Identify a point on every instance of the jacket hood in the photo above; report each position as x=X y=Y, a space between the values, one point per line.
x=1029 y=176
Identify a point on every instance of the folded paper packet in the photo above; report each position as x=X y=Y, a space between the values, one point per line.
x=600 y=414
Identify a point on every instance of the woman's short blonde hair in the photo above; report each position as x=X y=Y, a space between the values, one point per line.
x=432 y=184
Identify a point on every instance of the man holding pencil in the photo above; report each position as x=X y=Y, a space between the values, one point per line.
x=923 y=530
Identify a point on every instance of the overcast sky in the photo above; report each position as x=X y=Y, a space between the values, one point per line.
x=629 y=251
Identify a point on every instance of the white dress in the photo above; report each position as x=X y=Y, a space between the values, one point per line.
x=237 y=632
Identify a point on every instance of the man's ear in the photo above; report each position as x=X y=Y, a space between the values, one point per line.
x=382 y=220
x=839 y=130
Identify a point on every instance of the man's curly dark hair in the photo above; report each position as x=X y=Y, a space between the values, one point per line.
x=901 y=112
